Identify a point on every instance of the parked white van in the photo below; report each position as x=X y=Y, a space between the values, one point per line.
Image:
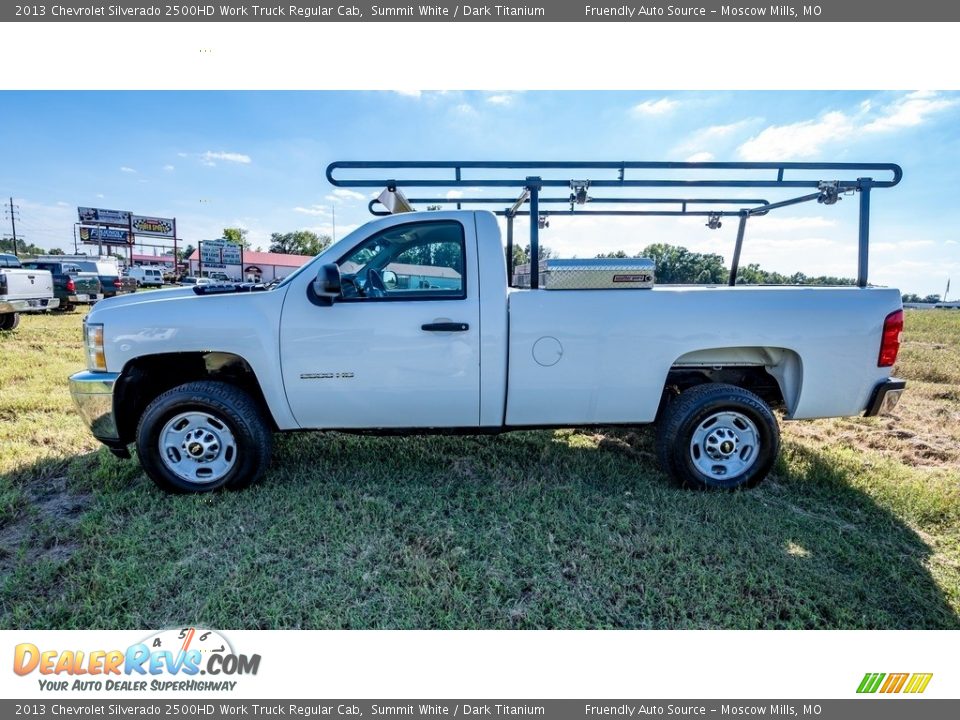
x=147 y=276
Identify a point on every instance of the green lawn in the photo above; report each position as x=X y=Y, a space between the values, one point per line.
x=858 y=528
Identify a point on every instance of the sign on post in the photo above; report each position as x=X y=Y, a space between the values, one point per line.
x=105 y=235
x=147 y=225
x=100 y=216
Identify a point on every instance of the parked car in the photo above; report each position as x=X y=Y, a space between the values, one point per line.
x=22 y=291
x=146 y=276
x=190 y=280
x=112 y=283
x=218 y=276
x=71 y=285
x=408 y=325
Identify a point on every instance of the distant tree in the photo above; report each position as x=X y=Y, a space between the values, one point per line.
x=434 y=207
x=185 y=252
x=544 y=251
x=931 y=299
x=23 y=248
x=299 y=242
x=679 y=265
x=56 y=251
x=238 y=236
x=911 y=297
x=616 y=254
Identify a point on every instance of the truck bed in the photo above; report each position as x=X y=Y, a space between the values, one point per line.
x=612 y=350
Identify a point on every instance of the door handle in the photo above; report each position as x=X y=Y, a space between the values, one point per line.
x=445 y=327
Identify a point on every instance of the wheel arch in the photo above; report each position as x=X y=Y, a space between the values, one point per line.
x=773 y=373
x=146 y=377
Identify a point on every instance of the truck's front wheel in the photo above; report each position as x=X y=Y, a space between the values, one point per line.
x=718 y=436
x=202 y=436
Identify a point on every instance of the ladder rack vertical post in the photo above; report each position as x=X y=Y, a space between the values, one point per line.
x=863 y=254
x=533 y=185
x=735 y=262
x=509 y=250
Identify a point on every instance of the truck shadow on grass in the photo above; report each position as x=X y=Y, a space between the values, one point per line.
x=566 y=529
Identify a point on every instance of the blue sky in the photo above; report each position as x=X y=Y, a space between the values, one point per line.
x=257 y=159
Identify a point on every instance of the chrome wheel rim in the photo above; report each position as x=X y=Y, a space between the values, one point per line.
x=725 y=445
x=198 y=447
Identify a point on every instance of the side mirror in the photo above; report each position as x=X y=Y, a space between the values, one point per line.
x=389 y=279
x=326 y=286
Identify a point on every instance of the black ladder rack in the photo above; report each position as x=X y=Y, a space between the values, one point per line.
x=832 y=181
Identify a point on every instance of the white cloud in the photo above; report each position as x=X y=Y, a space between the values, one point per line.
x=654 y=107
x=798 y=140
x=409 y=93
x=909 y=111
x=711 y=137
x=61 y=203
x=124 y=168
x=342 y=195
x=465 y=109
x=183 y=154
x=312 y=210
x=501 y=99
x=782 y=223
x=169 y=168
x=807 y=138
x=454 y=194
x=210 y=157
x=100 y=195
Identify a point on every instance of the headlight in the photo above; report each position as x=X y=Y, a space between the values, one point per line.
x=93 y=342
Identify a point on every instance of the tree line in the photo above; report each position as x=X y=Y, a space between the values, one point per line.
x=676 y=265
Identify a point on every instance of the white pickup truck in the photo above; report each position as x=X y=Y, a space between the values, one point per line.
x=23 y=291
x=409 y=324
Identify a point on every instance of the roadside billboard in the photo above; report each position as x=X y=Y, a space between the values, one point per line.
x=105 y=235
x=148 y=225
x=100 y=216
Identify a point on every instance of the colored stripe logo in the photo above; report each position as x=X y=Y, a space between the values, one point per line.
x=913 y=683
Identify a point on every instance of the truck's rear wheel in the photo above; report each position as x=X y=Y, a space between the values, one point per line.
x=9 y=321
x=718 y=436
x=202 y=436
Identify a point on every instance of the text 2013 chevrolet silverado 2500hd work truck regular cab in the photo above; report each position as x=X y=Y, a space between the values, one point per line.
x=415 y=322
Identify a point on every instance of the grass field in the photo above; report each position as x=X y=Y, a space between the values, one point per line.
x=859 y=527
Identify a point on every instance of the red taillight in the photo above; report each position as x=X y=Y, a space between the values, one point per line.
x=71 y=286
x=890 y=343
x=117 y=283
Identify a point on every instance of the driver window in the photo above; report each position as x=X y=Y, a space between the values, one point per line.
x=418 y=261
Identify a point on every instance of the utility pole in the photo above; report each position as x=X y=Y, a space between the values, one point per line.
x=13 y=225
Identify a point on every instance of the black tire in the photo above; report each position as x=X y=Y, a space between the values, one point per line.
x=9 y=321
x=228 y=405
x=67 y=307
x=684 y=416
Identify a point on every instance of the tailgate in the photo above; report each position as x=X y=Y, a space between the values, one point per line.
x=27 y=284
x=86 y=285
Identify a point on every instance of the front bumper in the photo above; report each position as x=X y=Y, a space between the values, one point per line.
x=92 y=393
x=885 y=397
x=31 y=305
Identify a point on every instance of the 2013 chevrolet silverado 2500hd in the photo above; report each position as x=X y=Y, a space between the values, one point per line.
x=410 y=323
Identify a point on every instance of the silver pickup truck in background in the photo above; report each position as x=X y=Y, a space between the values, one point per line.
x=22 y=291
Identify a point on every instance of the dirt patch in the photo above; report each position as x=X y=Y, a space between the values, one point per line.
x=43 y=529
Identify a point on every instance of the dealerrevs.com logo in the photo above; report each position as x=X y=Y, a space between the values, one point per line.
x=168 y=660
x=890 y=683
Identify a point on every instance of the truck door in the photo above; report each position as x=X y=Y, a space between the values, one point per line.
x=400 y=348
